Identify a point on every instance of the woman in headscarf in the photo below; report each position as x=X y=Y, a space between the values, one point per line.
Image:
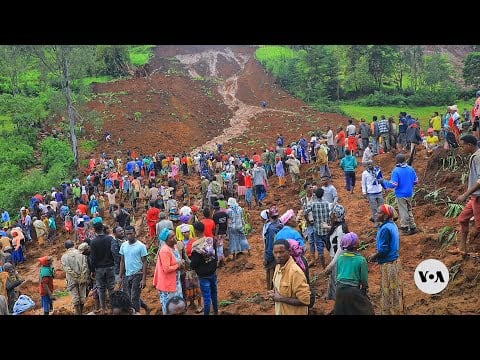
x=238 y=240
x=387 y=256
x=297 y=252
x=184 y=220
x=289 y=230
x=337 y=229
x=352 y=280
x=18 y=239
x=166 y=278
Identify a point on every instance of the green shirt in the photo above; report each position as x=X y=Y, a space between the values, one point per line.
x=352 y=269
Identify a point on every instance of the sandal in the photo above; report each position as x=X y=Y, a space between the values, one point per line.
x=198 y=310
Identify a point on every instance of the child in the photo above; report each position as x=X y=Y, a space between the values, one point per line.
x=432 y=141
x=46 y=283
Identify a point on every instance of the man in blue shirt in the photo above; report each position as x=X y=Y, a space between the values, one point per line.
x=404 y=179
x=133 y=266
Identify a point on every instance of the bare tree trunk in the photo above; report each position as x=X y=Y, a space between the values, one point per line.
x=71 y=115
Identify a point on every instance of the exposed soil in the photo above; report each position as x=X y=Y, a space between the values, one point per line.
x=226 y=108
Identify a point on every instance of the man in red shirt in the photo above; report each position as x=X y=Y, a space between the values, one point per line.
x=208 y=222
x=153 y=216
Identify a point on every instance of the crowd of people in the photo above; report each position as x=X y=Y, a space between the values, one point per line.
x=192 y=236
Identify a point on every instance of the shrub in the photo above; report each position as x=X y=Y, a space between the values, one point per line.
x=14 y=150
x=56 y=151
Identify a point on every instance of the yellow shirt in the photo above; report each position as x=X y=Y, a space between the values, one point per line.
x=432 y=140
x=436 y=123
x=290 y=281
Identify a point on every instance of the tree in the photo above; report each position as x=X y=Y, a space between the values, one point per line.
x=437 y=70
x=380 y=62
x=414 y=58
x=471 y=69
x=399 y=65
x=12 y=63
x=355 y=54
x=115 y=59
x=320 y=73
x=64 y=63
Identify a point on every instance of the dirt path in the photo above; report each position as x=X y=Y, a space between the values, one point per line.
x=228 y=89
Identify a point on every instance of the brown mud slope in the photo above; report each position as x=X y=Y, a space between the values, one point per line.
x=235 y=86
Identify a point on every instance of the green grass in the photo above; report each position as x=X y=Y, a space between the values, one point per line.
x=424 y=113
x=61 y=293
x=6 y=124
x=269 y=53
x=97 y=79
x=140 y=54
x=88 y=145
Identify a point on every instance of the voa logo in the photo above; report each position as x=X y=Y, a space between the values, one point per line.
x=431 y=276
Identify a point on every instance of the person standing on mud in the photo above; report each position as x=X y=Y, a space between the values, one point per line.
x=352 y=280
x=259 y=181
x=102 y=263
x=469 y=146
x=238 y=240
x=133 y=267
x=291 y=292
x=46 y=283
x=372 y=188
x=204 y=261
x=349 y=164
x=320 y=214
x=387 y=256
x=76 y=268
x=403 y=180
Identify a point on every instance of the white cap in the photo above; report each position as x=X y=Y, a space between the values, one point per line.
x=23 y=208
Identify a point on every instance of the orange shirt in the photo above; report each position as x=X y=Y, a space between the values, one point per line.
x=341 y=138
x=165 y=276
